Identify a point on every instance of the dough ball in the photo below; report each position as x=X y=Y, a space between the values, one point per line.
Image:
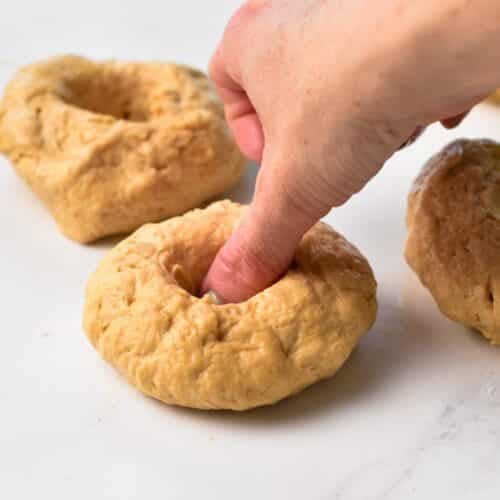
x=454 y=233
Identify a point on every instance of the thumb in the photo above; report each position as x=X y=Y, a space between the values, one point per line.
x=262 y=247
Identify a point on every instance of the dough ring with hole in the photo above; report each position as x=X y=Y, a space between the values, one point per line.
x=141 y=314
x=111 y=146
x=454 y=233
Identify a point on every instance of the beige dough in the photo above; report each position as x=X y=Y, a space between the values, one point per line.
x=143 y=318
x=495 y=98
x=111 y=146
x=454 y=233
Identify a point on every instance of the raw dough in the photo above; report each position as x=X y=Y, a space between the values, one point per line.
x=142 y=316
x=454 y=233
x=495 y=98
x=111 y=146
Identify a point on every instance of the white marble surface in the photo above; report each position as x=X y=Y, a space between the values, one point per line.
x=415 y=414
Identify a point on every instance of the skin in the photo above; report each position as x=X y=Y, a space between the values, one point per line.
x=322 y=93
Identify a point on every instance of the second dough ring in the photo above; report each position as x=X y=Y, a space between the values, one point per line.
x=111 y=146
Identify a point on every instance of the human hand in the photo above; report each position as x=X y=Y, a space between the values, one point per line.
x=322 y=93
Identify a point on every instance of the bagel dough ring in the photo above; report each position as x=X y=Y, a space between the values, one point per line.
x=142 y=316
x=111 y=146
x=454 y=233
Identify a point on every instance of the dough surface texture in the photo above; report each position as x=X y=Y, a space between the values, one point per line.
x=453 y=241
x=110 y=146
x=142 y=316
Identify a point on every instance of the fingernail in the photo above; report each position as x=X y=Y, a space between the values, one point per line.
x=214 y=298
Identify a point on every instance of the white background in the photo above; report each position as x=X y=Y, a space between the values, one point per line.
x=415 y=414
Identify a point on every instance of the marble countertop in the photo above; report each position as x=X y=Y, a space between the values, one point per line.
x=415 y=413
